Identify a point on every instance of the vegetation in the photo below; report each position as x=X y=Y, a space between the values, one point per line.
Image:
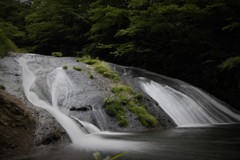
x=77 y=68
x=65 y=67
x=100 y=67
x=6 y=44
x=97 y=156
x=2 y=87
x=123 y=100
x=57 y=54
x=87 y=59
x=230 y=63
x=90 y=75
x=104 y=69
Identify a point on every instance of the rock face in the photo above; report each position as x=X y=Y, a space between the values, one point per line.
x=17 y=125
x=74 y=93
x=23 y=124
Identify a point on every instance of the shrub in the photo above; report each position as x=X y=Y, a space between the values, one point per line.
x=2 y=87
x=65 y=67
x=6 y=44
x=57 y=54
x=77 y=68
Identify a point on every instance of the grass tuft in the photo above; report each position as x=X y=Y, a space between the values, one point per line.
x=87 y=59
x=104 y=69
x=65 y=67
x=57 y=54
x=77 y=68
x=2 y=87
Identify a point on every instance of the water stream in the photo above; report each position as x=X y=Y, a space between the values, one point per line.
x=66 y=122
x=77 y=130
x=188 y=106
x=191 y=108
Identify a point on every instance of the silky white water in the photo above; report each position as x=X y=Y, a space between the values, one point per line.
x=66 y=122
x=71 y=124
x=190 y=108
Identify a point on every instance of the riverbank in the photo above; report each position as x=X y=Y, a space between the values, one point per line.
x=17 y=125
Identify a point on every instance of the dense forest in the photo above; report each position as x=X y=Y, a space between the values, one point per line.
x=197 y=41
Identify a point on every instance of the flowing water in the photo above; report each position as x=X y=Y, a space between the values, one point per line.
x=192 y=107
x=188 y=106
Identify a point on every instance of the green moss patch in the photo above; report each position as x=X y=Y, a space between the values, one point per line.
x=123 y=100
x=100 y=67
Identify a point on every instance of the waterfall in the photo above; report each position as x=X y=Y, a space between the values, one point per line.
x=66 y=122
x=188 y=105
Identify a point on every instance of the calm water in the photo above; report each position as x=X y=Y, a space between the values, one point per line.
x=220 y=143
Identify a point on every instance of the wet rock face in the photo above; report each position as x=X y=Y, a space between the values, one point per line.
x=73 y=92
x=45 y=125
x=130 y=76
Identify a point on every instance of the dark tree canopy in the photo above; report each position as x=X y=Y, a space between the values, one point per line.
x=194 y=40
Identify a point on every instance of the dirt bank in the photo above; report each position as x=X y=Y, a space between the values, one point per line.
x=17 y=125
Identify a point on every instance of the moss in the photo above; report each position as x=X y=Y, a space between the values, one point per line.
x=144 y=117
x=115 y=108
x=65 y=67
x=138 y=96
x=2 y=87
x=148 y=120
x=77 y=68
x=57 y=54
x=124 y=99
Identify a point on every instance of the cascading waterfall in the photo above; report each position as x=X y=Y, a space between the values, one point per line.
x=60 y=87
x=66 y=122
x=188 y=106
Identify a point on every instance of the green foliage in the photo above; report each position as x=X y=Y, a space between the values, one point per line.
x=65 y=67
x=2 y=87
x=138 y=96
x=104 y=69
x=87 y=59
x=230 y=63
x=144 y=117
x=57 y=54
x=121 y=88
x=6 y=44
x=148 y=120
x=114 y=107
x=125 y=99
x=57 y=25
x=90 y=75
x=77 y=68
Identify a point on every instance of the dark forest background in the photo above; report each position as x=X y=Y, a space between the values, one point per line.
x=197 y=41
